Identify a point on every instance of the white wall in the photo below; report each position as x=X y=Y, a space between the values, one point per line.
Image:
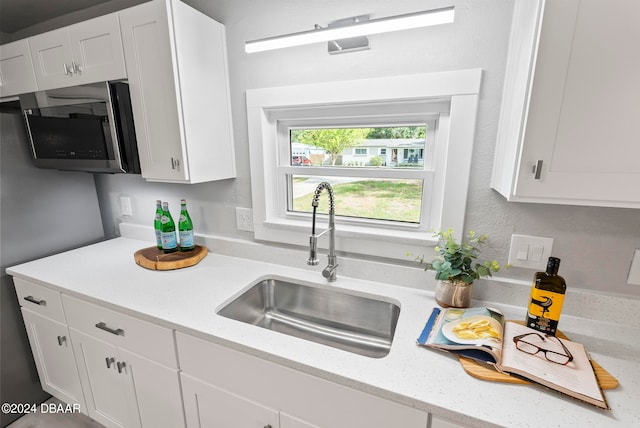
x=595 y=244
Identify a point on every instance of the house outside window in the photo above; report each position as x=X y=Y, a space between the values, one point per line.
x=367 y=189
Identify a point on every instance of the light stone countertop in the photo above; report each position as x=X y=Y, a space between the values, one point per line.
x=187 y=300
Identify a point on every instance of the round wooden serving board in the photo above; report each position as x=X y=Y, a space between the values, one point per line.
x=155 y=259
x=485 y=372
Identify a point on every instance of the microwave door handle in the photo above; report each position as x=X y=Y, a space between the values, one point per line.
x=71 y=97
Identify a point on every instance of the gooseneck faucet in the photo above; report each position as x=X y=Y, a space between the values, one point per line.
x=329 y=272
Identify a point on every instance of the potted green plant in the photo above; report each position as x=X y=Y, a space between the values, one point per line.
x=457 y=267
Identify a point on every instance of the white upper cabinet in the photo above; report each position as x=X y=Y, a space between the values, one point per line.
x=570 y=123
x=16 y=69
x=177 y=72
x=87 y=52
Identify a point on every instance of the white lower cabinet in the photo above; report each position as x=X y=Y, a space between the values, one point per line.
x=124 y=389
x=50 y=343
x=108 y=384
x=53 y=355
x=246 y=391
x=127 y=366
x=209 y=406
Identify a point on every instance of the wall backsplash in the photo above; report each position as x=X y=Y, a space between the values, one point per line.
x=595 y=244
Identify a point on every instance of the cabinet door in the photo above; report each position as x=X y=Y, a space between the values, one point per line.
x=288 y=421
x=154 y=95
x=52 y=59
x=208 y=406
x=16 y=69
x=53 y=354
x=583 y=124
x=106 y=382
x=156 y=390
x=96 y=46
x=437 y=422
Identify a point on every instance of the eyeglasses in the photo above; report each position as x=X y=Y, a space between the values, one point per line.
x=532 y=348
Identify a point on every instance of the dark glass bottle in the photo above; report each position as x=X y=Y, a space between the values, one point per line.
x=157 y=224
x=185 y=228
x=547 y=297
x=169 y=242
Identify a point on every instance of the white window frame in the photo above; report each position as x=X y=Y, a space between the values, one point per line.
x=269 y=108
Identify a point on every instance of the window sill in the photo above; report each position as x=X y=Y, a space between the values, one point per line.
x=355 y=239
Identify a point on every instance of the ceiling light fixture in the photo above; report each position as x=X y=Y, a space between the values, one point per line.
x=358 y=28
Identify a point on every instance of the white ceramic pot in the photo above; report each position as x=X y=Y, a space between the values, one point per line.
x=453 y=294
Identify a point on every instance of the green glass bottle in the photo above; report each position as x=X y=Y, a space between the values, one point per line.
x=547 y=297
x=169 y=242
x=185 y=227
x=157 y=224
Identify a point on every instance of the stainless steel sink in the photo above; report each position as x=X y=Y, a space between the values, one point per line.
x=357 y=324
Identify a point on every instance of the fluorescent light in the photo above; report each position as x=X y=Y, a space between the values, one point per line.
x=374 y=26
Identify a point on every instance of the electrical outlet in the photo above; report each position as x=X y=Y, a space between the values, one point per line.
x=244 y=219
x=530 y=252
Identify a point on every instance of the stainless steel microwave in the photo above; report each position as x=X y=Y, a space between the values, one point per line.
x=82 y=128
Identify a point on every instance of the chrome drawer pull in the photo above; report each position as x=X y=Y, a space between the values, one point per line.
x=109 y=361
x=32 y=299
x=121 y=366
x=537 y=170
x=118 y=331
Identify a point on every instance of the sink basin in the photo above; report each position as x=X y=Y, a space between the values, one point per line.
x=357 y=324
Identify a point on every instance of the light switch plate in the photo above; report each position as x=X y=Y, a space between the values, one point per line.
x=531 y=252
x=634 y=271
x=125 y=206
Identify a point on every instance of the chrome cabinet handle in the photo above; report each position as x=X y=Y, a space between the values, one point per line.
x=61 y=340
x=121 y=366
x=32 y=299
x=75 y=67
x=175 y=163
x=117 y=331
x=66 y=69
x=268 y=426
x=109 y=361
x=537 y=170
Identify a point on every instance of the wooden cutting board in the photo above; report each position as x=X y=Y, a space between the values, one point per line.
x=485 y=372
x=155 y=259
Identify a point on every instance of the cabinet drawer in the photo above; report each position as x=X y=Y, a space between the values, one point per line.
x=39 y=299
x=133 y=334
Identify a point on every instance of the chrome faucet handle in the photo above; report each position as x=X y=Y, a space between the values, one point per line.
x=330 y=272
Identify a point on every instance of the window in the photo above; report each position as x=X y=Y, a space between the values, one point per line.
x=364 y=185
x=386 y=204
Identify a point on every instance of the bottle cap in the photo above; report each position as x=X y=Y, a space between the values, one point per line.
x=553 y=265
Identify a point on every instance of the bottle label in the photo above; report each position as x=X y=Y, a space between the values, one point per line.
x=186 y=239
x=164 y=219
x=159 y=238
x=544 y=310
x=169 y=240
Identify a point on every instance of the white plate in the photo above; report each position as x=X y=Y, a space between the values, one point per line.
x=447 y=330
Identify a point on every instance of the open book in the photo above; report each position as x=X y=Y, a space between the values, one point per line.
x=483 y=334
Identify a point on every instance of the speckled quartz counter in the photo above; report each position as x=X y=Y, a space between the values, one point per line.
x=187 y=300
